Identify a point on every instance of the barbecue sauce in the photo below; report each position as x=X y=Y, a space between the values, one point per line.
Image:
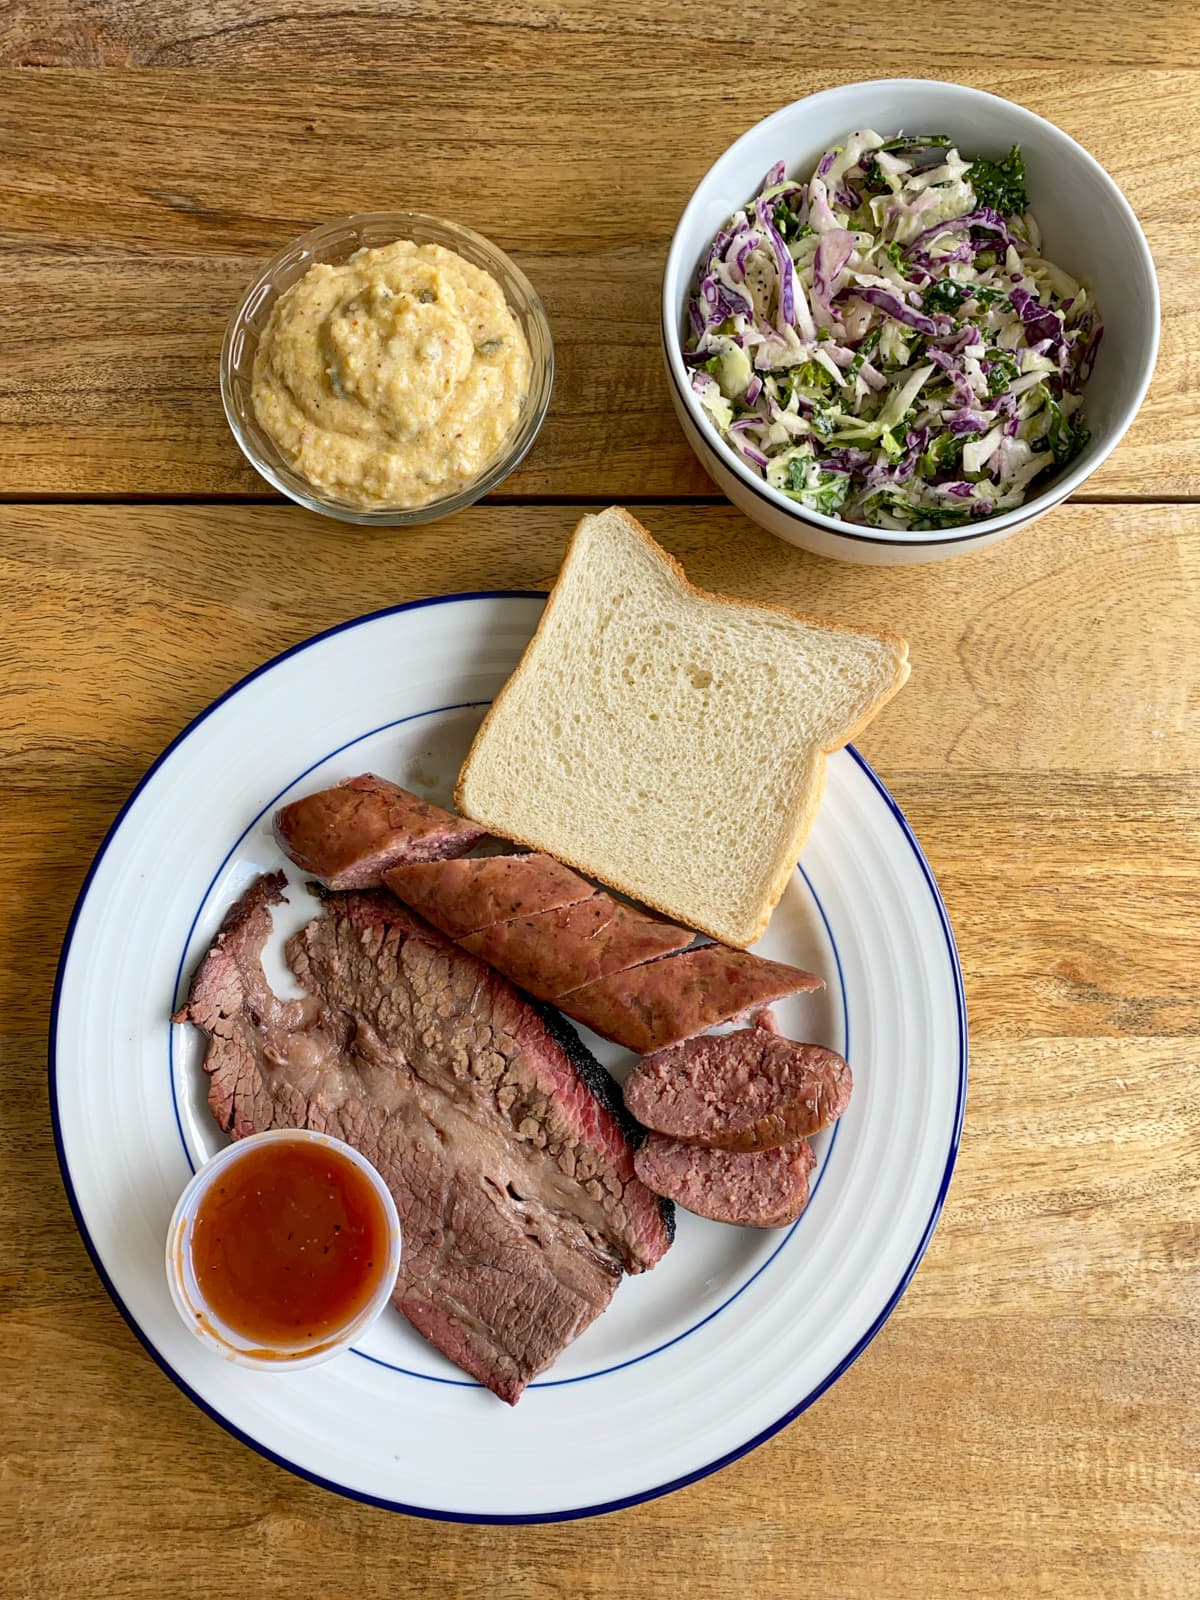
x=289 y=1244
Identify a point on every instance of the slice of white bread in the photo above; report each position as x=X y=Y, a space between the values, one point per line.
x=669 y=742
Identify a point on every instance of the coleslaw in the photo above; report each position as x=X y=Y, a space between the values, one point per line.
x=885 y=343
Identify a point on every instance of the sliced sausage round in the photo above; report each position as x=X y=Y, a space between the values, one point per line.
x=750 y=1090
x=664 y=1001
x=753 y=1188
x=463 y=897
x=560 y=950
x=348 y=836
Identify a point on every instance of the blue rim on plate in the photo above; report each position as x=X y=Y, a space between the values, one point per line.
x=436 y=1514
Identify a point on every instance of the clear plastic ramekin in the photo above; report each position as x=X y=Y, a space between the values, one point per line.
x=335 y=242
x=191 y=1302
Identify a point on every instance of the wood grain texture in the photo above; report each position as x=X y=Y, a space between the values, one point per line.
x=1108 y=689
x=139 y=202
x=255 y=33
x=1025 y=1423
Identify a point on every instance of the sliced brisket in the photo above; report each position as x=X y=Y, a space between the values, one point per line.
x=504 y=1144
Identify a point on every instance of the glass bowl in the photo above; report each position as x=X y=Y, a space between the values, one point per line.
x=334 y=242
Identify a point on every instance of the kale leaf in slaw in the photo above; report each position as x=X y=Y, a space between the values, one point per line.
x=885 y=343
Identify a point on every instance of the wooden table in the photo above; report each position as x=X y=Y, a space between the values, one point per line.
x=1026 y=1423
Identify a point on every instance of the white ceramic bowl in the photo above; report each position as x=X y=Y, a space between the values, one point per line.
x=193 y=1306
x=1087 y=227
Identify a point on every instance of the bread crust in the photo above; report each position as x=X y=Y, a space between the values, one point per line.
x=805 y=817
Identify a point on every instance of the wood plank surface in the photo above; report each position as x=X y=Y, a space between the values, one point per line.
x=1025 y=1423
x=260 y=34
x=137 y=203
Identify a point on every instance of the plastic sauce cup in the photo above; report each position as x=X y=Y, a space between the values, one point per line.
x=192 y=1303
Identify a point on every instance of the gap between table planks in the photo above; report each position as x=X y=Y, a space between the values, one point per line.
x=138 y=204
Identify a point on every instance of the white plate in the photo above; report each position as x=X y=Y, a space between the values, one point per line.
x=731 y=1336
